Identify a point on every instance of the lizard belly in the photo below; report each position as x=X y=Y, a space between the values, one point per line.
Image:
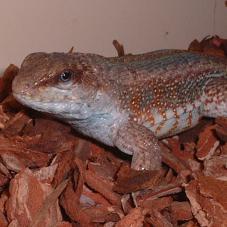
x=175 y=122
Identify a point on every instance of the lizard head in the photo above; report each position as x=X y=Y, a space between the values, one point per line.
x=62 y=84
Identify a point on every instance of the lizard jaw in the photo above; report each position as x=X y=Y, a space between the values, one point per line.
x=60 y=109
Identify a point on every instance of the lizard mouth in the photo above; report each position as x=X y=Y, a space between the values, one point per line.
x=23 y=98
x=33 y=103
x=60 y=109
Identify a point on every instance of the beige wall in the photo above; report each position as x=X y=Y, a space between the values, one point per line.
x=91 y=25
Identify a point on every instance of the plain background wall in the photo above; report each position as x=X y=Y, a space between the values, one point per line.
x=91 y=25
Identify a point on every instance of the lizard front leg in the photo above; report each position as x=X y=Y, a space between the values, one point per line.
x=141 y=143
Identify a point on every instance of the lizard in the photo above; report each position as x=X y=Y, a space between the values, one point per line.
x=129 y=102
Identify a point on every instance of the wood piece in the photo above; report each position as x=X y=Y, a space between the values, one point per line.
x=119 y=47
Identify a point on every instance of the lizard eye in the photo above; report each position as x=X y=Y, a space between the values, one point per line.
x=66 y=76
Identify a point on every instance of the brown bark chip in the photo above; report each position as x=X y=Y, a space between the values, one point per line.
x=102 y=186
x=27 y=195
x=135 y=218
x=6 y=81
x=216 y=167
x=16 y=156
x=208 y=201
x=131 y=181
x=207 y=144
x=181 y=211
x=16 y=124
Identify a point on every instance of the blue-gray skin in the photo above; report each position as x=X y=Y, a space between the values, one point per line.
x=127 y=102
